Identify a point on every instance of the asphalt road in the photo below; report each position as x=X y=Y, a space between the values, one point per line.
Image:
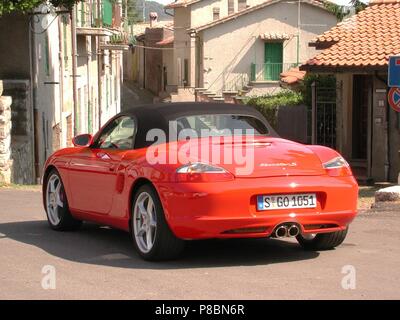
x=100 y=263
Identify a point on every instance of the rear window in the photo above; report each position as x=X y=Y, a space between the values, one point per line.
x=222 y=125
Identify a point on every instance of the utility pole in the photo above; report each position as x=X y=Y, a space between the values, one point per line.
x=74 y=70
x=298 y=31
x=99 y=63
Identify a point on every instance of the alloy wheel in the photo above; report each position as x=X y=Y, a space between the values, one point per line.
x=54 y=199
x=144 y=222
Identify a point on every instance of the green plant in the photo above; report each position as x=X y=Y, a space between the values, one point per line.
x=358 y=5
x=130 y=7
x=342 y=11
x=321 y=80
x=119 y=39
x=339 y=11
x=25 y=6
x=269 y=104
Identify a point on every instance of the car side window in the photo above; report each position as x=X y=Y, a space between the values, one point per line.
x=118 y=134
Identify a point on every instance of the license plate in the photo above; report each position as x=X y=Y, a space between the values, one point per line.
x=287 y=201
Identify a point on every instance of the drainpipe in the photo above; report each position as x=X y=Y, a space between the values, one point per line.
x=61 y=77
x=168 y=13
x=74 y=69
x=388 y=140
x=33 y=93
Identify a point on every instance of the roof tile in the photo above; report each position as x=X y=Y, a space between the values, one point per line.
x=365 y=39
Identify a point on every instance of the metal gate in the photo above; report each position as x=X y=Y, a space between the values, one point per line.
x=323 y=115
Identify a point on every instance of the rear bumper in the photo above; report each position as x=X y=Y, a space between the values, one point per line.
x=218 y=210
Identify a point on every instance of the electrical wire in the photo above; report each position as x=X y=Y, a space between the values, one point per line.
x=158 y=48
x=38 y=21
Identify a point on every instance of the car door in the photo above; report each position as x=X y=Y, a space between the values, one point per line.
x=92 y=174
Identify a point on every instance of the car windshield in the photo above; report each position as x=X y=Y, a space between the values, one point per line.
x=221 y=125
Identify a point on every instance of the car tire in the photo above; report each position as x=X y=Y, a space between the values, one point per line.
x=322 y=241
x=152 y=237
x=56 y=204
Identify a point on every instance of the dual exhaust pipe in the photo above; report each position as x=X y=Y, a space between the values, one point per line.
x=286 y=231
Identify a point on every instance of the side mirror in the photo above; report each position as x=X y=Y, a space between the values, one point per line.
x=82 y=140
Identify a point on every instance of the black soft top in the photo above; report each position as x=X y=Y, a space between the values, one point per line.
x=158 y=115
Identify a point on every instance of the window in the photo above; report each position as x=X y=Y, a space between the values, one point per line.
x=117 y=135
x=215 y=13
x=221 y=124
x=231 y=6
x=242 y=4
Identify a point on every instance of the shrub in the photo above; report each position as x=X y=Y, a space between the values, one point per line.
x=321 y=80
x=268 y=104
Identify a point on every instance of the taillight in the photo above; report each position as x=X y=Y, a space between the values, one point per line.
x=338 y=167
x=202 y=172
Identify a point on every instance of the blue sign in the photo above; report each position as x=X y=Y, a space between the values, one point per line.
x=394 y=71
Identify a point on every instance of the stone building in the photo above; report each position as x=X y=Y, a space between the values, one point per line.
x=365 y=129
x=64 y=73
x=226 y=46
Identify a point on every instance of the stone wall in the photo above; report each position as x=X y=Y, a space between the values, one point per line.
x=22 y=137
x=5 y=137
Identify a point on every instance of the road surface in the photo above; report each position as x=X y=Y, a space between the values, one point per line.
x=100 y=263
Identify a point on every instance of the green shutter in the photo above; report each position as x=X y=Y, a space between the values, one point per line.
x=107 y=12
x=65 y=49
x=83 y=14
x=46 y=54
x=273 y=59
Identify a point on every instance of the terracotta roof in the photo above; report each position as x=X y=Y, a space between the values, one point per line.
x=292 y=76
x=166 y=41
x=382 y=1
x=318 y=3
x=180 y=3
x=364 y=40
x=274 y=36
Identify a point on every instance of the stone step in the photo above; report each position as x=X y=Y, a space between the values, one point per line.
x=219 y=99
x=230 y=92
x=388 y=194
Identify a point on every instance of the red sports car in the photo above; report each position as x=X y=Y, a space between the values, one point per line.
x=174 y=172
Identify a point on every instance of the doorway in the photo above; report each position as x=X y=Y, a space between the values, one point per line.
x=361 y=130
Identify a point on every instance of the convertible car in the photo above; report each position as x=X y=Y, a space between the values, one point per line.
x=143 y=173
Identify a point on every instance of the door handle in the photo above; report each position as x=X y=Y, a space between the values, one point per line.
x=112 y=167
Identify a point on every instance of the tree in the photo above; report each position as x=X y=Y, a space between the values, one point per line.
x=342 y=11
x=24 y=6
x=358 y=5
x=339 y=11
x=132 y=15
